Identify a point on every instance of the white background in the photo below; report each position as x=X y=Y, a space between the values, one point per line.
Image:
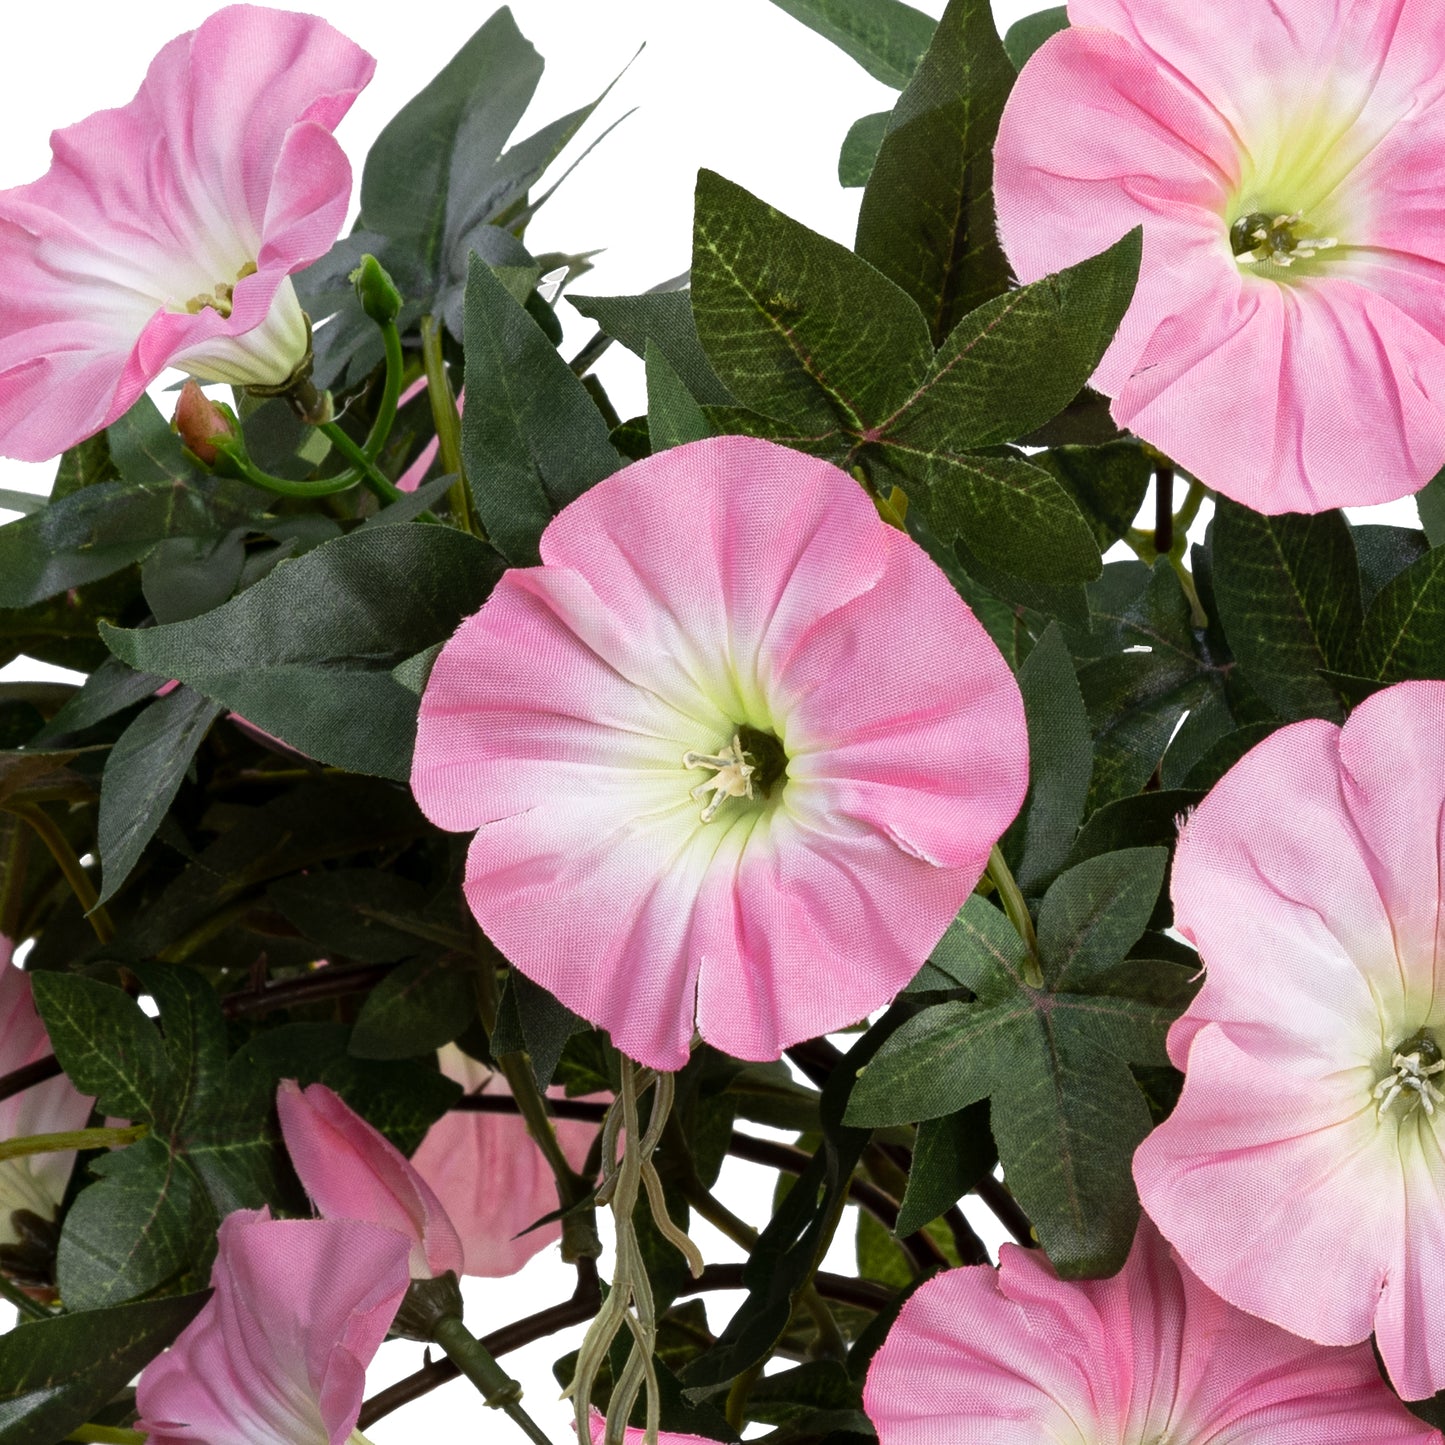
x=735 y=85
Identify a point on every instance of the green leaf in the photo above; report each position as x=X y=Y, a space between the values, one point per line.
x=84 y=465
x=1430 y=503
x=143 y=1224
x=142 y=776
x=885 y=37
x=106 y=1046
x=979 y=946
x=361 y=913
x=99 y=529
x=1095 y=913
x=663 y=317
x=56 y=1374
x=1383 y=553
x=1017 y=360
x=1288 y=595
x=950 y=1156
x=414 y=1010
x=307 y=653
x=1222 y=755
x=1404 y=631
x=532 y=438
x=927 y=216
x=530 y=1021
x=1064 y=1107
x=1108 y=483
x=1061 y=762
x=860 y=149
x=794 y=324
x=185 y=576
x=1145 y=820
x=879 y=1256
x=673 y=417
x=1026 y=35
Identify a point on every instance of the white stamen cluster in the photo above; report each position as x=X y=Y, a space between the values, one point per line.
x=1410 y=1078
x=1276 y=242
x=734 y=776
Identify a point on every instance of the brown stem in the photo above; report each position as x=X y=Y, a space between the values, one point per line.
x=1163 y=509
x=578 y=1310
x=26 y=1077
x=322 y=984
x=1006 y=1210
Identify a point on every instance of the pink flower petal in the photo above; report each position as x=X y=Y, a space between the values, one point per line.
x=1260 y=1174
x=985 y=1357
x=491 y=1178
x=726 y=587
x=222 y=162
x=598 y=1422
x=278 y=1355
x=352 y=1172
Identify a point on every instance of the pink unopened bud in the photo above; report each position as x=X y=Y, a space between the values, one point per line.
x=352 y=1172
x=199 y=421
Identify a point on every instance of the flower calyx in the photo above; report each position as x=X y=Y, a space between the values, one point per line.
x=1411 y=1079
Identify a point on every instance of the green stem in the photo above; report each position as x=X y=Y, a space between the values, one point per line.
x=390 y=392
x=448 y=425
x=71 y=1139
x=1193 y=500
x=106 y=1435
x=365 y=468
x=1198 y=617
x=1018 y=914
x=248 y=471
x=28 y=1307
x=64 y=855
x=497 y=1387
x=736 y=1410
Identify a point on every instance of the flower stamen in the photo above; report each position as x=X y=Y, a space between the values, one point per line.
x=1260 y=237
x=220 y=299
x=734 y=776
x=1412 y=1067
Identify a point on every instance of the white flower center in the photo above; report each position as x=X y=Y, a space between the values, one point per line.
x=733 y=776
x=1410 y=1079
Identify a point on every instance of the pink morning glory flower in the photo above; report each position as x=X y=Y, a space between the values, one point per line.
x=736 y=753
x=165 y=232
x=1301 y=1175
x=278 y=1355
x=36 y=1182
x=491 y=1178
x=353 y=1172
x=598 y=1421
x=1286 y=158
x=1016 y=1356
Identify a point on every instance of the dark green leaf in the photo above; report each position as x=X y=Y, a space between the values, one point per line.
x=1404 y=631
x=979 y=946
x=1061 y=762
x=142 y=776
x=185 y=576
x=84 y=465
x=414 y=1010
x=1288 y=594
x=62 y=629
x=950 y=1156
x=98 y=529
x=795 y=325
x=1147 y=820
x=1019 y=359
x=1095 y=913
x=1108 y=483
x=663 y=317
x=110 y=689
x=307 y=652
x=1026 y=35
x=1383 y=553
x=880 y=1257
x=359 y=913
x=673 y=417
x=1222 y=755
x=56 y=1374
x=143 y=1223
x=1430 y=503
x=927 y=216
x=885 y=37
x=531 y=1021
x=532 y=439
x=21 y=770
x=860 y=149
x=106 y=1045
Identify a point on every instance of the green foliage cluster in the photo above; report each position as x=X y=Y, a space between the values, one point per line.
x=227 y=856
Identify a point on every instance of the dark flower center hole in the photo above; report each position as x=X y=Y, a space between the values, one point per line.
x=765 y=752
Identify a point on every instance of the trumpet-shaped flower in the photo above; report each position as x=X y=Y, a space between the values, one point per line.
x=165 y=232
x=1301 y=1174
x=1016 y=1356
x=35 y=1182
x=278 y=1355
x=490 y=1177
x=1286 y=342
x=353 y=1172
x=736 y=753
